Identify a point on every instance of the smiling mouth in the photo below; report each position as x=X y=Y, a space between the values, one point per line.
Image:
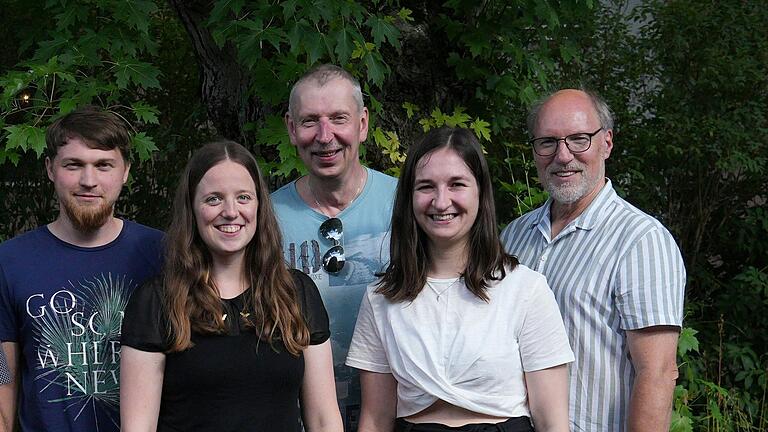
x=326 y=153
x=565 y=173
x=229 y=229
x=442 y=217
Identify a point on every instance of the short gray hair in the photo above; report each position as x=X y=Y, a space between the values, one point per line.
x=321 y=75
x=603 y=111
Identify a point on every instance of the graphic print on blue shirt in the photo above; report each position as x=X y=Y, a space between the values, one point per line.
x=63 y=305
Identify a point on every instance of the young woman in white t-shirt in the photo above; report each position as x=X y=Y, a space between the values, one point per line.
x=456 y=335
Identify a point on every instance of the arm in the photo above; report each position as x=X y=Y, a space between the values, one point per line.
x=141 y=384
x=320 y=411
x=548 y=398
x=653 y=353
x=8 y=391
x=379 y=402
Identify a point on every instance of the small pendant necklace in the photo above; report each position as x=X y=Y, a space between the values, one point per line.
x=438 y=292
x=354 y=197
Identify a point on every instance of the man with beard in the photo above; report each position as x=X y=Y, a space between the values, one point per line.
x=335 y=220
x=616 y=272
x=63 y=286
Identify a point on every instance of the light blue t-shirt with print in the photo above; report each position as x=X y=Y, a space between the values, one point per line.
x=366 y=227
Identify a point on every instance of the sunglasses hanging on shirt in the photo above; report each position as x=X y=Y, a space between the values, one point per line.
x=334 y=259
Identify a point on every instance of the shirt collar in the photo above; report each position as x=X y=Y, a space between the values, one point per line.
x=587 y=220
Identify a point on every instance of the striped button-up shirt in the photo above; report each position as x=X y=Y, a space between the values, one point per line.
x=612 y=269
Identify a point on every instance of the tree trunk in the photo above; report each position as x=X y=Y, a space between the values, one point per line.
x=223 y=81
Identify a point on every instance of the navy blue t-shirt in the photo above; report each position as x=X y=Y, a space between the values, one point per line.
x=63 y=305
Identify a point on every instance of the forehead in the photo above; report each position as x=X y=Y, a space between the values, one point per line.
x=335 y=95
x=77 y=148
x=565 y=114
x=226 y=175
x=442 y=163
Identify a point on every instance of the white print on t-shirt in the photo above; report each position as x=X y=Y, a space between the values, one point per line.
x=77 y=332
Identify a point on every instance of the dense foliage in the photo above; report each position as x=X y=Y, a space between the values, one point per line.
x=687 y=80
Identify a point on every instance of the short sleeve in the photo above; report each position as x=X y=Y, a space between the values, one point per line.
x=651 y=282
x=5 y=374
x=144 y=323
x=312 y=308
x=8 y=325
x=366 y=351
x=543 y=341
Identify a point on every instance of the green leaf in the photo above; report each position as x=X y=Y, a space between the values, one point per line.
x=343 y=45
x=145 y=112
x=313 y=41
x=137 y=72
x=375 y=70
x=680 y=423
x=143 y=145
x=687 y=341
x=382 y=30
x=481 y=129
x=410 y=109
x=26 y=137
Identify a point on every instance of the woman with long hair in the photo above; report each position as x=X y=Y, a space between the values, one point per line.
x=456 y=335
x=228 y=338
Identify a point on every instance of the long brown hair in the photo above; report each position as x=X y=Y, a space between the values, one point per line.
x=406 y=273
x=192 y=301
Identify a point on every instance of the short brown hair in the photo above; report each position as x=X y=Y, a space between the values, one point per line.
x=98 y=128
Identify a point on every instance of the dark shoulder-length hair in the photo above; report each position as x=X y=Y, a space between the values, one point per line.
x=487 y=261
x=192 y=301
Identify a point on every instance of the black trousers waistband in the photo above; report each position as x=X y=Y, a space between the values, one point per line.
x=514 y=424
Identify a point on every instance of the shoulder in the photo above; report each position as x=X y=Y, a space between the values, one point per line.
x=150 y=292
x=523 y=279
x=139 y=231
x=636 y=223
x=382 y=178
x=524 y=223
x=283 y=194
x=25 y=245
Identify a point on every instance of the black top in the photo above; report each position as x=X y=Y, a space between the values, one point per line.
x=232 y=382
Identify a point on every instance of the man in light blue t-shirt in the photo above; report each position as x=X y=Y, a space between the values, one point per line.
x=335 y=220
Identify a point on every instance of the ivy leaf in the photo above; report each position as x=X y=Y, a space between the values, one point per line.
x=687 y=341
x=143 y=145
x=140 y=73
x=145 y=112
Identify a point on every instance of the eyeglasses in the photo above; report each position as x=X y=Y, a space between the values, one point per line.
x=333 y=259
x=576 y=143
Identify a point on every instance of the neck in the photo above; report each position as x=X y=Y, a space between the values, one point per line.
x=229 y=276
x=561 y=214
x=63 y=229
x=330 y=196
x=447 y=262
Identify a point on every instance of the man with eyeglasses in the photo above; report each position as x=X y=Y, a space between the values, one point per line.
x=335 y=220
x=616 y=272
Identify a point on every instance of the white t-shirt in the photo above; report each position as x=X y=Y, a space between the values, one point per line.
x=448 y=344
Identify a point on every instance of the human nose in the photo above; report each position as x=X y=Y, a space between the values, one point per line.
x=88 y=177
x=324 y=131
x=441 y=199
x=230 y=209
x=562 y=152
